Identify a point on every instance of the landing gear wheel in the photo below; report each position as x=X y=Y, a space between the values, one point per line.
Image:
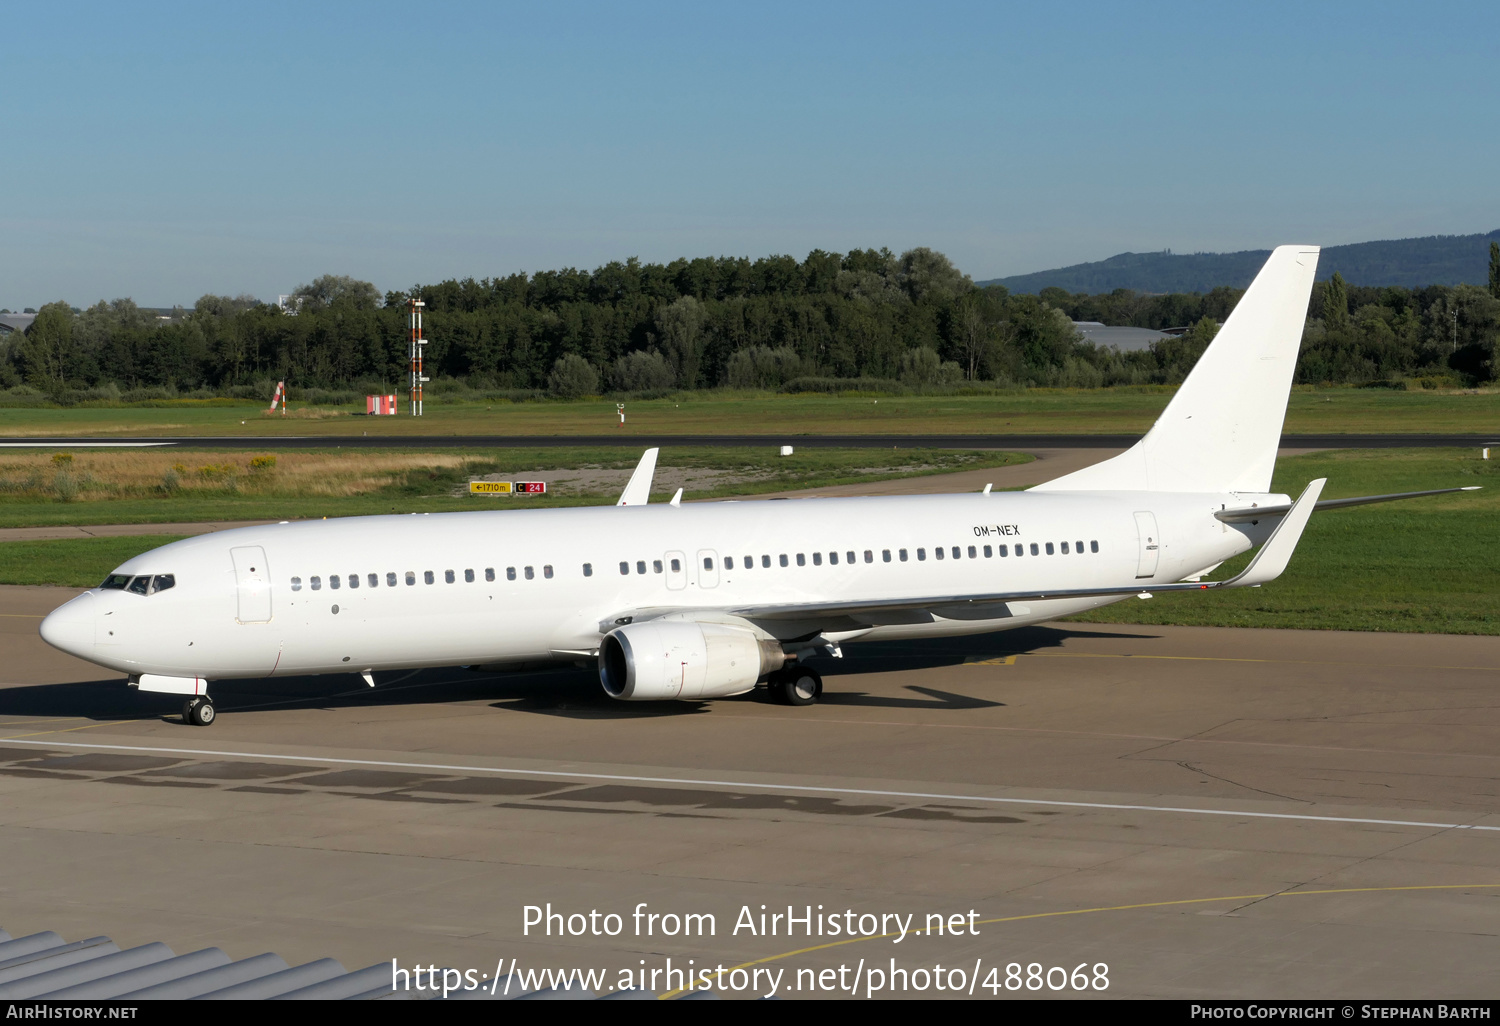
x=799 y=687
x=199 y=711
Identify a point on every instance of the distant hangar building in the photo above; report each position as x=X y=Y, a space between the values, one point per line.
x=1126 y=340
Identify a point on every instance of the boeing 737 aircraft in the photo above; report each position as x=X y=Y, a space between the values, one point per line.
x=708 y=600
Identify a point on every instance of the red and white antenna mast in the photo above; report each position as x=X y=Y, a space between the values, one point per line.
x=417 y=342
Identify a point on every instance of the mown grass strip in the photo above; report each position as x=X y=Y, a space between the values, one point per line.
x=72 y=562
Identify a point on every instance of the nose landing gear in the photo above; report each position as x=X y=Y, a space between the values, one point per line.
x=198 y=711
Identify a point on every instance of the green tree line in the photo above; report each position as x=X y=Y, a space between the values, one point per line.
x=828 y=322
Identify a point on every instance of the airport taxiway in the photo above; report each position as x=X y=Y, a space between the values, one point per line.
x=1210 y=812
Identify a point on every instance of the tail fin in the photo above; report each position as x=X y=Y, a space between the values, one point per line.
x=1221 y=430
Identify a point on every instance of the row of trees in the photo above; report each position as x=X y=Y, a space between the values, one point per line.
x=770 y=323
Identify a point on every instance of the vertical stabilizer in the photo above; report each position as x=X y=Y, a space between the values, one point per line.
x=1221 y=430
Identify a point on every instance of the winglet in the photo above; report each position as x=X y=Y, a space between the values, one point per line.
x=1276 y=553
x=676 y=499
x=639 y=489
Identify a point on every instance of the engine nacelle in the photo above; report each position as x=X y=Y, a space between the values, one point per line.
x=662 y=659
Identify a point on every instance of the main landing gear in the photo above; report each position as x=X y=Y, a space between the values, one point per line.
x=198 y=711
x=795 y=686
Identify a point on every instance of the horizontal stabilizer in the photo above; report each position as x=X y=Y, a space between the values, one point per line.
x=639 y=489
x=1250 y=514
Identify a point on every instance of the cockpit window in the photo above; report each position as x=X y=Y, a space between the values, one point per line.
x=143 y=585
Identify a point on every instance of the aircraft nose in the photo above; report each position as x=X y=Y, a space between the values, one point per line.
x=70 y=626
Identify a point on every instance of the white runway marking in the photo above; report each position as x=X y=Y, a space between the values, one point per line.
x=747 y=785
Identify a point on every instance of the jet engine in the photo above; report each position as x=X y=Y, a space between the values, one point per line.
x=660 y=659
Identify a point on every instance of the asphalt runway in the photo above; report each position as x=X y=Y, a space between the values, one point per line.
x=1023 y=443
x=1208 y=812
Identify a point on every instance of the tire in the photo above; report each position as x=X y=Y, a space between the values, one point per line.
x=203 y=713
x=799 y=687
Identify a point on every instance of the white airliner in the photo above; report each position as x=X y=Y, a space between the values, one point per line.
x=707 y=600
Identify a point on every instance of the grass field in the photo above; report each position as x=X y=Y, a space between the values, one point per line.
x=72 y=562
x=1428 y=565
x=140 y=486
x=1037 y=411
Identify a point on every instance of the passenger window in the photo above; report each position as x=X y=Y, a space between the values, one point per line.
x=677 y=566
x=373 y=580
x=390 y=580
x=588 y=571
x=1078 y=547
x=921 y=554
x=448 y=577
x=938 y=552
x=547 y=571
x=427 y=575
x=728 y=564
x=530 y=574
x=334 y=582
x=989 y=553
x=817 y=559
x=1049 y=548
x=1093 y=546
x=849 y=556
x=957 y=552
x=708 y=562
x=833 y=559
x=489 y=573
x=1064 y=548
x=972 y=552
x=1020 y=549
x=901 y=553
x=749 y=562
x=656 y=565
x=510 y=573
x=354 y=580
x=162 y=582
x=411 y=579
x=640 y=566
x=765 y=561
x=139 y=586
x=469 y=576
x=1034 y=551
x=315 y=583
x=801 y=559
x=783 y=559
x=1004 y=551
x=296 y=583
x=870 y=556
x=624 y=569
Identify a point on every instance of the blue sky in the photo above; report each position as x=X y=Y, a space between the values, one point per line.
x=163 y=151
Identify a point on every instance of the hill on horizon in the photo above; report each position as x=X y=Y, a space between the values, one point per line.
x=1432 y=260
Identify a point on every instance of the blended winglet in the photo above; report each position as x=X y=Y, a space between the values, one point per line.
x=639 y=489
x=1276 y=553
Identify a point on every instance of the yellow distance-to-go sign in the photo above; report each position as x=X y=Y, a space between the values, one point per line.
x=507 y=487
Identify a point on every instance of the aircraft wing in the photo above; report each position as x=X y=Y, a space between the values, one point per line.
x=1267 y=565
x=1250 y=514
